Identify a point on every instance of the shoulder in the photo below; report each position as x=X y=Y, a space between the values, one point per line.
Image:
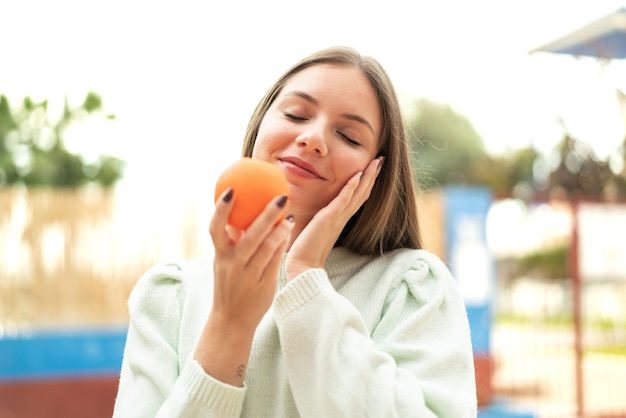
x=167 y=283
x=423 y=274
x=415 y=263
x=420 y=272
x=399 y=264
x=414 y=257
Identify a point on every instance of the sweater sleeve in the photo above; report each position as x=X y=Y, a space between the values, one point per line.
x=152 y=381
x=417 y=362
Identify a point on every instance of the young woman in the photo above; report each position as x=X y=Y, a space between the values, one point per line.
x=333 y=311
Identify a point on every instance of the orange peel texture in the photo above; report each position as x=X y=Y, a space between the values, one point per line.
x=255 y=183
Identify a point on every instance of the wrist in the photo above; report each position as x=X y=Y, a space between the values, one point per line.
x=224 y=349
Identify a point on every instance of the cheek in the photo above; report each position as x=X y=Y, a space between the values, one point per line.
x=263 y=142
x=349 y=164
x=270 y=137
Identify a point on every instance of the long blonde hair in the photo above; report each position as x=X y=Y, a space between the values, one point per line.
x=388 y=219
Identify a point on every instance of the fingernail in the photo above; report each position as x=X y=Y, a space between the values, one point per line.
x=228 y=196
x=282 y=201
x=290 y=218
x=381 y=160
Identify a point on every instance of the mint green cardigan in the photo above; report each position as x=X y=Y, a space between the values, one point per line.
x=383 y=336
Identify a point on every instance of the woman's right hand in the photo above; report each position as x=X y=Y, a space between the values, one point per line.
x=247 y=263
x=245 y=269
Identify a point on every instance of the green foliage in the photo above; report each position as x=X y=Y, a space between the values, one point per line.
x=549 y=263
x=510 y=174
x=445 y=145
x=446 y=149
x=92 y=102
x=32 y=149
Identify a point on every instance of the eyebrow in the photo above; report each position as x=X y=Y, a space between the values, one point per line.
x=314 y=101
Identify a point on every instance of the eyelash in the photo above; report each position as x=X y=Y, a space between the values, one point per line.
x=344 y=136
x=293 y=117
x=350 y=140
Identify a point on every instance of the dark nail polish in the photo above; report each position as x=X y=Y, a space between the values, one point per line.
x=290 y=218
x=228 y=196
x=282 y=201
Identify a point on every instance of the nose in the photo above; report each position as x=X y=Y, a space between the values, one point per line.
x=313 y=140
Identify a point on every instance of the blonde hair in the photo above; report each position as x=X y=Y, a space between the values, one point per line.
x=388 y=219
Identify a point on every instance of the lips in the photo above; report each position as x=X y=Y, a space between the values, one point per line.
x=300 y=167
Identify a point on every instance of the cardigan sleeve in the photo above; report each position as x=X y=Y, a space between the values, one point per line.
x=152 y=382
x=417 y=362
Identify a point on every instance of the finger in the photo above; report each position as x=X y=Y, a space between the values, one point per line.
x=269 y=255
x=372 y=171
x=367 y=180
x=343 y=199
x=234 y=234
x=219 y=220
x=261 y=227
x=358 y=188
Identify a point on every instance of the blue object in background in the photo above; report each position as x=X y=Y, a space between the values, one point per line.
x=479 y=317
x=500 y=410
x=62 y=353
x=469 y=260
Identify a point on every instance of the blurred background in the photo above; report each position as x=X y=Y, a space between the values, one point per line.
x=116 y=118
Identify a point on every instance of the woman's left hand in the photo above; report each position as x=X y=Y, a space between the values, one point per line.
x=308 y=250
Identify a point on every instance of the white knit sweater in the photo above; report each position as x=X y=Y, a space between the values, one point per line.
x=365 y=337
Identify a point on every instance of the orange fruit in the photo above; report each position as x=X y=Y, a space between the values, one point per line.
x=255 y=183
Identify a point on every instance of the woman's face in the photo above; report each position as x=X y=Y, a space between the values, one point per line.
x=323 y=128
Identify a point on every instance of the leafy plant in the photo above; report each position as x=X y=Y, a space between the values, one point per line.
x=549 y=263
x=33 y=152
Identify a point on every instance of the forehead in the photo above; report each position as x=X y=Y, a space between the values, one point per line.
x=341 y=85
x=319 y=76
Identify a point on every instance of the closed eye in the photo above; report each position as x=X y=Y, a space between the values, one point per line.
x=348 y=139
x=293 y=117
